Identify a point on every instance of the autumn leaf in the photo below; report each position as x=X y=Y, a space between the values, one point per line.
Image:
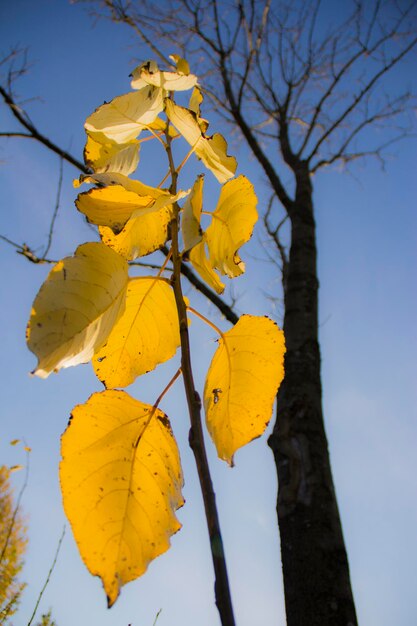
x=145 y=335
x=104 y=179
x=191 y=215
x=232 y=225
x=149 y=74
x=113 y=205
x=195 y=239
x=242 y=382
x=200 y=262
x=181 y=64
x=196 y=100
x=122 y=119
x=145 y=231
x=211 y=150
x=76 y=307
x=103 y=155
x=121 y=483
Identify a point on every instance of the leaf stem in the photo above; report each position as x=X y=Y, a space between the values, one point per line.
x=48 y=578
x=167 y=388
x=196 y=439
x=206 y=320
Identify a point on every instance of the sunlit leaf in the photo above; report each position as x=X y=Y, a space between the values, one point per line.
x=196 y=100
x=181 y=64
x=145 y=231
x=145 y=335
x=191 y=215
x=200 y=262
x=112 y=206
x=76 y=307
x=242 y=382
x=232 y=225
x=122 y=119
x=103 y=155
x=149 y=74
x=121 y=483
x=105 y=179
x=211 y=150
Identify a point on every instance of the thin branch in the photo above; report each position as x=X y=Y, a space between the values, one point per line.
x=339 y=120
x=48 y=578
x=27 y=252
x=196 y=438
x=22 y=118
x=56 y=209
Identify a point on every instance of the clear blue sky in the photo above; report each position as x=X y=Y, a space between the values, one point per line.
x=367 y=265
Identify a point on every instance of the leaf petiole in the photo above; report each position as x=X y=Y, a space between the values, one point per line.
x=167 y=388
x=206 y=320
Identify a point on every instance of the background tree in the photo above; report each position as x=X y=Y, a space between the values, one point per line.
x=303 y=98
x=296 y=124
x=13 y=542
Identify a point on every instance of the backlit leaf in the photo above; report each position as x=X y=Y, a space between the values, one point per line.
x=232 y=225
x=144 y=336
x=104 y=179
x=145 y=231
x=181 y=64
x=149 y=74
x=191 y=215
x=122 y=119
x=112 y=206
x=242 y=383
x=121 y=483
x=194 y=105
x=201 y=264
x=76 y=307
x=103 y=155
x=211 y=150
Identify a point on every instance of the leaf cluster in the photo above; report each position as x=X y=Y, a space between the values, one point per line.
x=121 y=473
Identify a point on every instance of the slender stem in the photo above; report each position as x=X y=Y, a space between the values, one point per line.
x=196 y=439
x=48 y=578
x=205 y=320
x=167 y=388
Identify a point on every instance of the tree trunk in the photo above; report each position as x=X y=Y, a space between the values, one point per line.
x=314 y=561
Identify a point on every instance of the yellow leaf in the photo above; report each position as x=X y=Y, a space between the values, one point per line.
x=211 y=150
x=122 y=119
x=103 y=155
x=242 y=383
x=196 y=100
x=104 y=179
x=200 y=262
x=121 y=483
x=76 y=307
x=190 y=223
x=112 y=206
x=232 y=225
x=194 y=105
x=149 y=74
x=181 y=64
x=145 y=335
x=15 y=468
x=14 y=442
x=145 y=231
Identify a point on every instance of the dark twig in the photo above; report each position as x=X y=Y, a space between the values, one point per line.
x=196 y=438
x=48 y=578
x=56 y=209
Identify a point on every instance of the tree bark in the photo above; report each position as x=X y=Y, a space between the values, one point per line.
x=314 y=560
